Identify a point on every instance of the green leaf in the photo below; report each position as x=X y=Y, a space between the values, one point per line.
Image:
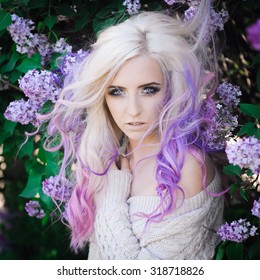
x=50 y=21
x=15 y=76
x=47 y=200
x=41 y=154
x=254 y=251
x=232 y=170
x=5 y=19
x=233 y=188
x=234 y=251
x=3 y=58
x=250 y=110
x=81 y=22
x=7 y=130
x=33 y=186
x=249 y=129
x=9 y=66
x=38 y=4
x=243 y=194
x=30 y=63
x=52 y=168
x=221 y=251
x=256 y=59
x=27 y=148
x=249 y=172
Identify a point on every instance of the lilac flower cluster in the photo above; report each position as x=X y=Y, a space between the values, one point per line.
x=33 y=209
x=253 y=35
x=222 y=115
x=29 y=43
x=57 y=190
x=22 y=111
x=237 y=231
x=132 y=6
x=256 y=208
x=228 y=95
x=245 y=153
x=217 y=19
x=71 y=59
x=39 y=87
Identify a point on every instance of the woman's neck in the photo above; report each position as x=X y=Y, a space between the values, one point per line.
x=139 y=151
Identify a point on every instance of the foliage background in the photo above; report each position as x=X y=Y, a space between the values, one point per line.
x=22 y=237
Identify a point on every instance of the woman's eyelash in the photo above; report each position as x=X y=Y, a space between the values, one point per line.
x=148 y=90
x=115 y=91
x=151 y=90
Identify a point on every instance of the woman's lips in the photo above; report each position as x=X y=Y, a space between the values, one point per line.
x=135 y=125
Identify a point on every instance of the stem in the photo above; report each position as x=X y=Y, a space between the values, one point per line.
x=10 y=85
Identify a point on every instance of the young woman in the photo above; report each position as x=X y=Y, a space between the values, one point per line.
x=130 y=124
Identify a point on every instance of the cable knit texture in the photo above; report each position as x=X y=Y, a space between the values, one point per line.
x=184 y=234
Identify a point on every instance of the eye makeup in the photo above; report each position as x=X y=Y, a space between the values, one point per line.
x=148 y=89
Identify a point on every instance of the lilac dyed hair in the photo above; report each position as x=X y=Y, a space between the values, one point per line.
x=81 y=126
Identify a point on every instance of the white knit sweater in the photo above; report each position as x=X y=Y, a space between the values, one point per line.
x=185 y=234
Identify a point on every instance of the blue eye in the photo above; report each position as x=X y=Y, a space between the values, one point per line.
x=151 y=90
x=115 y=91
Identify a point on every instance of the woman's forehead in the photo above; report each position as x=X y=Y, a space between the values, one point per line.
x=142 y=68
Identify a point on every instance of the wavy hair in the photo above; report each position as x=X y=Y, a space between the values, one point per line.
x=82 y=125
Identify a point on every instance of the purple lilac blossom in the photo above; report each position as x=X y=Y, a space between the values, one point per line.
x=69 y=60
x=33 y=209
x=228 y=94
x=22 y=111
x=237 y=231
x=57 y=190
x=253 y=35
x=43 y=47
x=61 y=46
x=40 y=86
x=20 y=31
x=217 y=19
x=132 y=6
x=256 y=208
x=245 y=153
x=29 y=43
x=223 y=118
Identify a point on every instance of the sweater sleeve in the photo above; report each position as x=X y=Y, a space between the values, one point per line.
x=185 y=236
x=113 y=231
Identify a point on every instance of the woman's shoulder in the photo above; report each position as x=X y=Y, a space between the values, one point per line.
x=195 y=167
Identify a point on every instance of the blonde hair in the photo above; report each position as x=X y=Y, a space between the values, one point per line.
x=81 y=118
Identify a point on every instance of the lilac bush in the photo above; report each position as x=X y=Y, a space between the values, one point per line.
x=245 y=153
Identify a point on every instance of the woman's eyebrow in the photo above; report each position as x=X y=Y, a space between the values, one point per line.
x=141 y=86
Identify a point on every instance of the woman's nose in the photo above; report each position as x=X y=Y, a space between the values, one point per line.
x=134 y=106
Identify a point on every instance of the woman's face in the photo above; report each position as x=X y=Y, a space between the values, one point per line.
x=135 y=97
